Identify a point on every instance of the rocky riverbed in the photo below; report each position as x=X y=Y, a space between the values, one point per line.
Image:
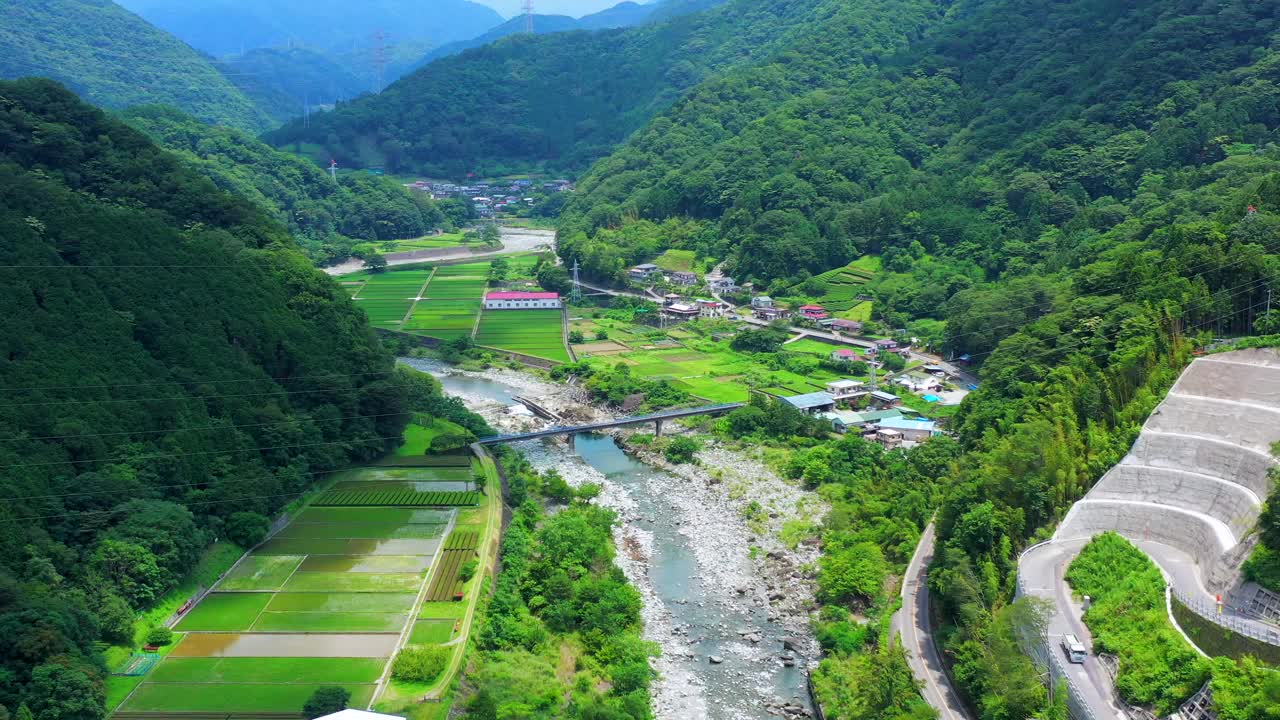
x=726 y=601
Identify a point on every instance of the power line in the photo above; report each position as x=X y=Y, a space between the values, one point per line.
x=167 y=399
x=165 y=456
x=195 y=382
x=205 y=428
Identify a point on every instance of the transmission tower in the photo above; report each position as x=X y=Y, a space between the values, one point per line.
x=576 y=296
x=528 y=16
x=333 y=169
x=379 y=60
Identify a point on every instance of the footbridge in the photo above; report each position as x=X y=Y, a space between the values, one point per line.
x=657 y=419
x=1188 y=494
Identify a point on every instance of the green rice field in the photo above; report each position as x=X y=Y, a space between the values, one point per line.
x=531 y=332
x=387 y=297
x=449 y=307
x=404 y=498
x=321 y=603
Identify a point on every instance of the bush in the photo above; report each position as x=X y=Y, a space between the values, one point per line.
x=247 y=529
x=420 y=664
x=468 y=569
x=326 y=700
x=159 y=636
x=681 y=450
x=575 y=337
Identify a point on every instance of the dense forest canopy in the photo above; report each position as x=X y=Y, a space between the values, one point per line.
x=114 y=59
x=171 y=360
x=326 y=217
x=556 y=101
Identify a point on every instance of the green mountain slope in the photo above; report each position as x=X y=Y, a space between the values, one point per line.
x=282 y=81
x=557 y=101
x=326 y=218
x=170 y=360
x=114 y=59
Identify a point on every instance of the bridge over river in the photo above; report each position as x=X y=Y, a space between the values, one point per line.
x=656 y=418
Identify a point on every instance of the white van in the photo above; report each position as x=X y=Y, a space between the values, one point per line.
x=1074 y=649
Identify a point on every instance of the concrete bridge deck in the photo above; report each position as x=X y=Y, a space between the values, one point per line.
x=657 y=418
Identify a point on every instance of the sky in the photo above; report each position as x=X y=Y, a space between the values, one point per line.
x=576 y=8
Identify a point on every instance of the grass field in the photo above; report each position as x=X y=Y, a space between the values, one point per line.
x=329 y=622
x=373 y=531
x=433 y=631
x=313 y=602
x=680 y=260
x=417 y=438
x=360 y=514
x=448 y=309
x=225 y=612
x=531 y=332
x=267 y=670
x=387 y=297
x=213 y=697
x=352 y=582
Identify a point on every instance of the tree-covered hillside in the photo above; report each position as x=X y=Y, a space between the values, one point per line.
x=557 y=101
x=114 y=59
x=171 y=362
x=283 y=81
x=326 y=218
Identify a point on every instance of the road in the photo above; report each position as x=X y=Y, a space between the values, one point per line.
x=913 y=626
x=514 y=240
x=1040 y=574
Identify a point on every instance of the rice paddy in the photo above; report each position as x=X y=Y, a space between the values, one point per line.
x=323 y=602
x=531 y=332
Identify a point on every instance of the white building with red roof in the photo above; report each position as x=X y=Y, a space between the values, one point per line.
x=513 y=300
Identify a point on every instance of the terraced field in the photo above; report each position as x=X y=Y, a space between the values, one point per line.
x=323 y=602
x=532 y=332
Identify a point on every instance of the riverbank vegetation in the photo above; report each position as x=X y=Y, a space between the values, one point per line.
x=561 y=633
x=146 y=417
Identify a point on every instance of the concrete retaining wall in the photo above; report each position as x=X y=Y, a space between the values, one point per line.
x=1196 y=534
x=1253 y=426
x=1192 y=453
x=1233 y=505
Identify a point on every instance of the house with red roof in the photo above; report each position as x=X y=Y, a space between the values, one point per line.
x=813 y=312
x=512 y=300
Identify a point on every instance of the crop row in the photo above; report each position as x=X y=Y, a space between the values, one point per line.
x=463 y=540
x=397 y=498
x=447 y=583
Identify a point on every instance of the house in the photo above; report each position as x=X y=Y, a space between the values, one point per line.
x=680 y=277
x=844 y=355
x=812 y=403
x=825 y=323
x=842 y=390
x=886 y=344
x=722 y=284
x=852 y=327
x=681 y=311
x=761 y=301
x=843 y=421
x=882 y=399
x=522 y=301
x=890 y=439
x=911 y=430
x=484 y=211
x=769 y=314
x=671 y=299
x=644 y=273
x=710 y=308
x=812 y=312
x=937 y=370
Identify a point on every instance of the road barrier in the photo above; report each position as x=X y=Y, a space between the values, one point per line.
x=1209 y=611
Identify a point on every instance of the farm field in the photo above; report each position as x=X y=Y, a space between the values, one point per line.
x=449 y=306
x=843 y=285
x=532 y=332
x=681 y=260
x=387 y=297
x=325 y=602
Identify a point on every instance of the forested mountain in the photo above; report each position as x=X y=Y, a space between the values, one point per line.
x=172 y=362
x=557 y=101
x=1076 y=188
x=283 y=81
x=226 y=27
x=114 y=59
x=326 y=218
x=624 y=14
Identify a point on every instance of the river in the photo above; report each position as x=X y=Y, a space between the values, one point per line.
x=692 y=564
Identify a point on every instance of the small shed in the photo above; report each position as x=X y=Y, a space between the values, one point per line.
x=811 y=403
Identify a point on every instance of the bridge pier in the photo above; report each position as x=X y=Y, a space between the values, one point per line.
x=657 y=428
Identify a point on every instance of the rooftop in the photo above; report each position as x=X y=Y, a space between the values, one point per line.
x=845 y=352
x=352 y=714
x=811 y=307
x=841 y=384
x=901 y=423
x=882 y=395
x=810 y=400
x=515 y=295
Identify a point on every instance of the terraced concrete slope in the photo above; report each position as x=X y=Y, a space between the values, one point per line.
x=1196 y=478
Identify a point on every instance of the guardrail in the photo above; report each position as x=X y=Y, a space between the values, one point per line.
x=1209 y=611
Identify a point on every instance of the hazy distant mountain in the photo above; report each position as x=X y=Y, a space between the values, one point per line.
x=282 y=80
x=114 y=59
x=225 y=27
x=624 y=14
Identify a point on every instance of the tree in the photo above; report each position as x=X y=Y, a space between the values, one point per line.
x=326 y=700
x=64 y=692
x=490 y=234
x=247 y=529
x=159 y=636
x=421 y=664
x=375 y=262
x=1267 y=323
x=132 y=569
x=115 y=619
x=576 y=337
x=765 y=340
x=499 y=267
x=854 y=573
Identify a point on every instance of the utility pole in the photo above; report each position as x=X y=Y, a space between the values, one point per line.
x=379 y=60
x=528 y=16
x=576 y=296
x=333 y=169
